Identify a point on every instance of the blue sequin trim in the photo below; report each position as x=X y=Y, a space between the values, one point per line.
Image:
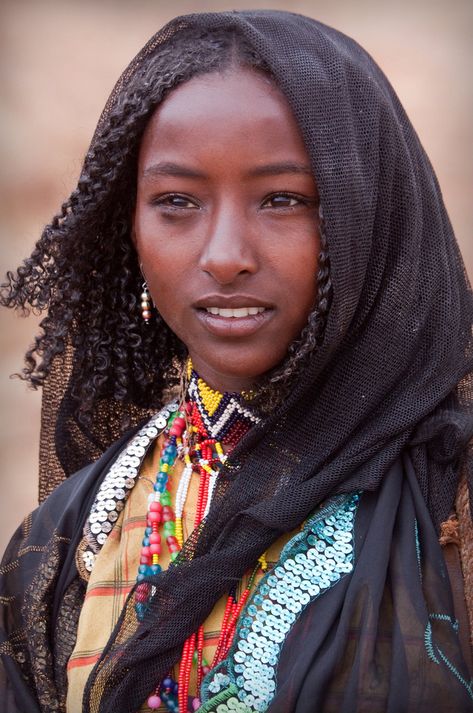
x=436 y=654
x=310 y=564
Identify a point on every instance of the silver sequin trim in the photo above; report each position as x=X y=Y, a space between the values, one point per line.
x=117 y=484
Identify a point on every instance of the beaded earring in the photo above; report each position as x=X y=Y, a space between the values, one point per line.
x=145 y=303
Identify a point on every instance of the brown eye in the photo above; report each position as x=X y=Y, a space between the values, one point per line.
x=175 y=201
x=281 y=200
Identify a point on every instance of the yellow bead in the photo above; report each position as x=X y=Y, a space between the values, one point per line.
x=179 y=533
x=263 y=562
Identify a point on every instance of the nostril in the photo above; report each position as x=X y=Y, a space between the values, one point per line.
x=224 y=266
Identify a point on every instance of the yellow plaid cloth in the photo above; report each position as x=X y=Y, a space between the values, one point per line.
x=114 y=575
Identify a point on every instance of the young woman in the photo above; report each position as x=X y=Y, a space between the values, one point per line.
x=259 y=319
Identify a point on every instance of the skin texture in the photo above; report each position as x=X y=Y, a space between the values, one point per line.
x=226 y=216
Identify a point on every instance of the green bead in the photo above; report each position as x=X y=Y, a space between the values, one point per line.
x=165 y=498
x=174 y=555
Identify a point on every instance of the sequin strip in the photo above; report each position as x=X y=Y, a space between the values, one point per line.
x=437 y=655
x=310 y=564
x=118 y=482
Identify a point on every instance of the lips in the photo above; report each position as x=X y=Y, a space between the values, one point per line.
x=233 y=316
x=234 y=301
x=236 y=313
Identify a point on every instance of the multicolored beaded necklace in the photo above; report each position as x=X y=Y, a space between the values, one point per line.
x=201 y=433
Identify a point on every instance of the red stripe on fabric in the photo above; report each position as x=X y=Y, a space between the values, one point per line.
x=82 y=661
x=133 y=525
x=109 y=591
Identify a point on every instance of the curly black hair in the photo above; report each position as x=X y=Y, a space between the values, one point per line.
x=84 y=269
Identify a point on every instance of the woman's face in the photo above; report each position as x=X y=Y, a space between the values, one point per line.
x=226 y=224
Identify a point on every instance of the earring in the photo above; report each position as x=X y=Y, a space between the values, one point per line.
x=145 y=303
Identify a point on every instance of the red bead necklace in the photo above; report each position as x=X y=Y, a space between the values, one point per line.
x=187 y=437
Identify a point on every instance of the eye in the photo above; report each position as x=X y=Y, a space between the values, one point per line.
x=283 y=200
x=175 y=200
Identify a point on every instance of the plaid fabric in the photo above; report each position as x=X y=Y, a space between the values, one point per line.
x=114 y=575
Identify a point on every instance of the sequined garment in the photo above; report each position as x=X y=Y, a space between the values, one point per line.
x=311 y=563
x=113 y=491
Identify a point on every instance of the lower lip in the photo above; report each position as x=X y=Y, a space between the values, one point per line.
x=234 y=326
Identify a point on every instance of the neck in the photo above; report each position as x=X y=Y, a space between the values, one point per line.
x=222 y=382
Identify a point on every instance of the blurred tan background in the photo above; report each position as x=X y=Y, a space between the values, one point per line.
x=59 y=60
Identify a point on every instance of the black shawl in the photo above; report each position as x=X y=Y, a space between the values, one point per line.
x=383 y=638
x=41 y=594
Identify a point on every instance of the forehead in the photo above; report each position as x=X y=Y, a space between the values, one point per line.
x=216 y=110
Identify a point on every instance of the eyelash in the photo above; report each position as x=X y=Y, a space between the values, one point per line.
x=291 y=196
x=162 y=201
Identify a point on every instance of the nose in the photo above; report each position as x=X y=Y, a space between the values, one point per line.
x=229 y=249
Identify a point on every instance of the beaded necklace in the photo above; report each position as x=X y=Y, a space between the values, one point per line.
x=197 y=433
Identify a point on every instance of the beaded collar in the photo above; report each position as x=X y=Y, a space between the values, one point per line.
x=225 y=417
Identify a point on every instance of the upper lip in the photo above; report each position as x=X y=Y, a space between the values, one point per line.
x=230 y=302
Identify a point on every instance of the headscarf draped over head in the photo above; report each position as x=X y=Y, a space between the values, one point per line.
x=394 y=373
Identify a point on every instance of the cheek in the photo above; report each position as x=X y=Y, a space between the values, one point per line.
x=298 y=273
x=161 y=271
x=166 y=283
x=164 y=266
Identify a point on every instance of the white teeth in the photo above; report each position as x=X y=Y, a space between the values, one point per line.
x=238 y=312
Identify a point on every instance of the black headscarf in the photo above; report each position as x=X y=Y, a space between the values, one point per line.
x=389 y=388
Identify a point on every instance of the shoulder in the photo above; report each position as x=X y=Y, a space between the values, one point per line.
x=66 y=508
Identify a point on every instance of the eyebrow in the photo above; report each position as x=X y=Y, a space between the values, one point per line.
x=168 y=168
x=277 y=169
